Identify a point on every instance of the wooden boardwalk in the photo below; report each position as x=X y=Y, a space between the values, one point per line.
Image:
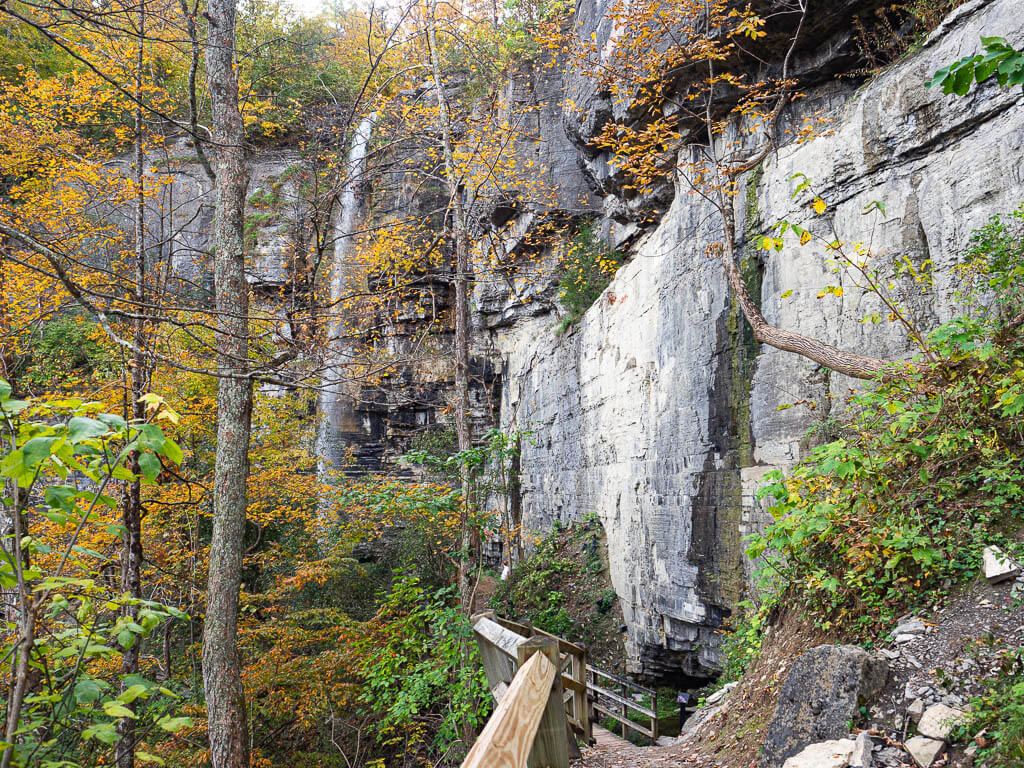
x=548 y=696
x=608 y=742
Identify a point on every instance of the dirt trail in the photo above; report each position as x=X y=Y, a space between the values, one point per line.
x=621 y=754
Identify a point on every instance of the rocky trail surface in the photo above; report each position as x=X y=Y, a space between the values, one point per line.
x=623 y=754
x=904 y=697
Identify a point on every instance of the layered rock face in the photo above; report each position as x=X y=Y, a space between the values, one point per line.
x=660 y=415
x=658 y=412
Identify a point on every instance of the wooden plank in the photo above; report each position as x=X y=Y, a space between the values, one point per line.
x=498 y=666
x=506 y=740
x=621 y=680
x=503 y=639
x=654 y=721
x=581 y=705
x=515 y=626
x=612 y=744
x=551 y=744
x=625 y=722
x=572 y=685
x=528 y=630
x=494 y=649
x=623 y=701
x=565 y=646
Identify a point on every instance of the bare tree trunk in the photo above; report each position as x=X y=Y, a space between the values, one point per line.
x=193 y=68
x=222 y=681
x=131 y=503
x=460 y=236
x=26 y=625
x=515 y=501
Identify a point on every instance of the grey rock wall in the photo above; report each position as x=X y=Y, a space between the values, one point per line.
x=179 y=220
x=660 y=416
x=658 y=413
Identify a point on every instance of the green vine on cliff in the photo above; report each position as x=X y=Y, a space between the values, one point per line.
x=586 y=269
x=1000 y=60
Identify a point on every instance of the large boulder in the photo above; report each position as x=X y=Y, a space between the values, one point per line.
x=827 y=754
x=820 y=698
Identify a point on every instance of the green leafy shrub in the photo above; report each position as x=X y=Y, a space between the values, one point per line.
x=67 y=629
x=587 y=267
x=439 y=442
x=563 y=588
x=531 y=591
x=421 y=674
x=999 y=711
x=65 y=351
x=926 y=472
x=743 y=644
x=522 y=28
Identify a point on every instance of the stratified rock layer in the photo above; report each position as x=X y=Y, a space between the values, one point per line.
x=660 y=415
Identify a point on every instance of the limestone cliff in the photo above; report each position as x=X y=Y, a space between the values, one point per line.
x=660 y=414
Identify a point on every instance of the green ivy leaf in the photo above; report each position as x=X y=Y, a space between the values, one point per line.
x=88 y=690
x=150 y=465
x=173 y=724
x=60 y=497
x=173 y=452
x=102 y=732
x=82 y=428
x=131 y=693
x=37 y=449
x=126 y=638
x=114 y=709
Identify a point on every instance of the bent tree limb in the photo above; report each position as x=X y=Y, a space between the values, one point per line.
x=847 y=363
x=725 y=173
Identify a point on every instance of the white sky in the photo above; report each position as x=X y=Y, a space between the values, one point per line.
x=308 y=7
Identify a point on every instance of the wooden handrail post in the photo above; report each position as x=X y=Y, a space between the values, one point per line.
x=582 y=701
x=506 y=740
x=499 y=666
x=551 y=744
x=654 y=719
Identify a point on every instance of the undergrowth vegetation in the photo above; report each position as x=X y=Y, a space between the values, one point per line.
x=563 y=588
x=892 y=30
x=586 y=268
x=926 y=471
x=998 y=715
x=422 y=677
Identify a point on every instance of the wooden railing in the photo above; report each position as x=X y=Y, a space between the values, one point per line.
x=546 y=690
x=573 y=668
x=529 y=727
x=617 y=704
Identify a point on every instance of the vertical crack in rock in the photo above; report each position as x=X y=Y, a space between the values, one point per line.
x=716 y=547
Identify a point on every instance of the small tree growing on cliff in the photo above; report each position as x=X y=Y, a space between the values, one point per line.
x=681 y=72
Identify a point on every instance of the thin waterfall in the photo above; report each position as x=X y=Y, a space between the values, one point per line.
x=340 y=426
